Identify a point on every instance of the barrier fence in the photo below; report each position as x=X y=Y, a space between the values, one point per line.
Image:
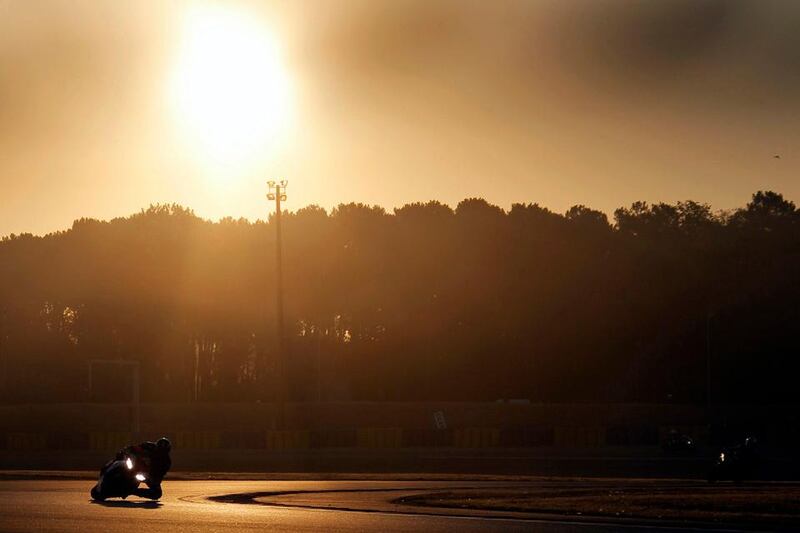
x=372 y=437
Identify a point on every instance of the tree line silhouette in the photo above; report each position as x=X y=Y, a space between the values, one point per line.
x=425 y=303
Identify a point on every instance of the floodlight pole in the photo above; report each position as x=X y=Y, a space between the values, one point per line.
x=709 y=316
x=3 y=355
x=277 y=192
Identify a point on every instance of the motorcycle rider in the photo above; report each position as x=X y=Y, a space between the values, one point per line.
x=155 y=455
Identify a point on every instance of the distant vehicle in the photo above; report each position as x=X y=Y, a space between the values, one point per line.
x=679 y=444
x=119 y=479
x=735 y=463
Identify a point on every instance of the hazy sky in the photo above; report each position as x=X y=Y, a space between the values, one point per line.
x=598 y=103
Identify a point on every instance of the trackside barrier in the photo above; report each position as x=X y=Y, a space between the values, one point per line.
x=333 y=438
x=379 y=438
x=26 y=441
x=476 y=438
x=632 y=436
x=243 y=440
x=526 y=437
x=425 y=438
x=197 y=440
x=67 y=441
x=109 y=440
x=579 y=437
x=386 y=437
x=698 y=433
x=287 y=439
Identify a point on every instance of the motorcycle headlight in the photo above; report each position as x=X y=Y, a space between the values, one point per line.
x=139 y=477
x=722 y=457
x=129 y=463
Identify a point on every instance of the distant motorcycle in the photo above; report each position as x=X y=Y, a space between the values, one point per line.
x=735 y=463
x=678 y=444
x=119 y=479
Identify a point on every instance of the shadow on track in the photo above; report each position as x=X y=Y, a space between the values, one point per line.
x=130 y=505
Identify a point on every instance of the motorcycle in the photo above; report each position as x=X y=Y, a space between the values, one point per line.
x=735 y=463
x=119 y=479
x=678 y=444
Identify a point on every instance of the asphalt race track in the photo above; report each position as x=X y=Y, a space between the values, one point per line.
x=222 y=506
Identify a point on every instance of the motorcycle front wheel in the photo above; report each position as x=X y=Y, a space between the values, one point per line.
x=96 y=495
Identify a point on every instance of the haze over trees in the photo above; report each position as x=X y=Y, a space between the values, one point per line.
x=425 y=303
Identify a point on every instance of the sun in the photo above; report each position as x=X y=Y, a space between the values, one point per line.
x=229 y=89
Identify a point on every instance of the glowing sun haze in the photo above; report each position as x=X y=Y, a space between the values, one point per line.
x=229 y=87
x=107 y=107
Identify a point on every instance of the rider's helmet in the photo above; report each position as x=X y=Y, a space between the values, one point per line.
x=164 y=445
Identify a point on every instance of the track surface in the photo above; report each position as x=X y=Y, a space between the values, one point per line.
x=331 y=506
